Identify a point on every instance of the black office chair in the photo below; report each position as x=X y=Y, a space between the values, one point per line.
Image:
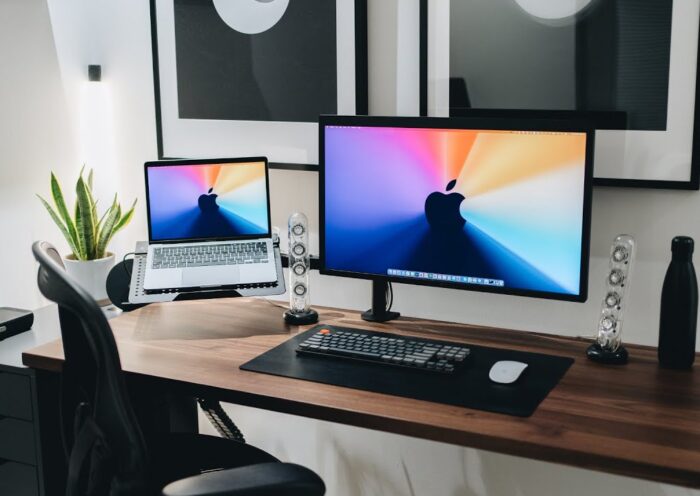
x=105 y=446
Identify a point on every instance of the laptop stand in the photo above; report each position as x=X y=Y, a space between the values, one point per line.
x=137 y=295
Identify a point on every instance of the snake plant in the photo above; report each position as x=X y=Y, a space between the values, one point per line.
x=87 y=235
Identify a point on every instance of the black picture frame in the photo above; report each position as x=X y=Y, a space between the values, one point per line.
x=361 y=81
x=601 y=120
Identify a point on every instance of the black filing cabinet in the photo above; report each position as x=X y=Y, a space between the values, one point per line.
x=22 y=471
x=19 y=436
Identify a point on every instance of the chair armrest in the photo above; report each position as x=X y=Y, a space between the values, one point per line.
x=262 y=479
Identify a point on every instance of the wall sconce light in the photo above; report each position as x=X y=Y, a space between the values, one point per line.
x=94 y=73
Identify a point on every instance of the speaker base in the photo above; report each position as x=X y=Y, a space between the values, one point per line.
x=301 y=318
x=618 y=357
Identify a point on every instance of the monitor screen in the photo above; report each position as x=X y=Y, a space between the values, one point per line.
x=478 y=205
x=205 y=201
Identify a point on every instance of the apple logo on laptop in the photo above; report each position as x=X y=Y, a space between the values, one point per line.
x=442 y=211
x=207 y=203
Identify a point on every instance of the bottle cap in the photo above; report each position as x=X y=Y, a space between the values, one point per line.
x=682 y=245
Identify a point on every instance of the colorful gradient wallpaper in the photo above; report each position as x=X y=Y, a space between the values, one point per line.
x=207 y=200
x=502 y=205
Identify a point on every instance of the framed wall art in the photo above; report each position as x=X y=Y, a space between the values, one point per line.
x=630 y=66
x=250 y=77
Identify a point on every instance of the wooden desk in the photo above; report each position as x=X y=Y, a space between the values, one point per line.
x=636 y=420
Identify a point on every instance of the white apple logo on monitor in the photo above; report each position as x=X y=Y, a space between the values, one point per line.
x=251 y=16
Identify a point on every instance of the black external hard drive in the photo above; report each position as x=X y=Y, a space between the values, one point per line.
x=14 y=321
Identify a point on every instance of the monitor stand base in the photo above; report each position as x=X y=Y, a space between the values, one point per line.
x=378 y=312
x=384 y=316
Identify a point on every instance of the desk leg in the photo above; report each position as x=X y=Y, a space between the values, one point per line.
x=166 y=406
x=160 y=411
x=51 y=460
x=182 y=414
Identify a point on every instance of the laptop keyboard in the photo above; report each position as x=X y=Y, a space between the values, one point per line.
x=177 y=257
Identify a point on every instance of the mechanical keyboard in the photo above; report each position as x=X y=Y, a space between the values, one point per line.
x=386 y=349
x=176 y=257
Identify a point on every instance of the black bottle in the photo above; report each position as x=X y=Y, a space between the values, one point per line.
x=679 y=308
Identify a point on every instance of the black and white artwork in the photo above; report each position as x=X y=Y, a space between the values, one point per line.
x=635 y=61
x=250 y=77
x=273 y=71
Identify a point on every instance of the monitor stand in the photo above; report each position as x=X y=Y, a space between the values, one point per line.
x=378 y=312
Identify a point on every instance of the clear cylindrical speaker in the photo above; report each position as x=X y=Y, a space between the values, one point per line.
x=608 y=345
x=300 y=311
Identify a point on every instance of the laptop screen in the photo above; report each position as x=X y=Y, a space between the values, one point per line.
x=207 y=200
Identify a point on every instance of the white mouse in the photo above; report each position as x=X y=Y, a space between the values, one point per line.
x=506 y=371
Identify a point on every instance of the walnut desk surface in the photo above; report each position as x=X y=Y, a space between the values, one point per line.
x=637 y=420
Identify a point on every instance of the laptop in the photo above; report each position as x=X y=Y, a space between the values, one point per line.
x=208 y=224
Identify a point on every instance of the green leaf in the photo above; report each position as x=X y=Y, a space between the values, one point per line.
x=86 y=222
x=125 y=219
x=61 y=226
x=81 y=235
x=80 y=241
x=106 y=232
x=104 y=215
x=60 y=203
x=93 y=202
x=88 y=183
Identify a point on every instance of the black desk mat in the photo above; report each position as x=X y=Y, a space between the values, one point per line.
x=468 y=387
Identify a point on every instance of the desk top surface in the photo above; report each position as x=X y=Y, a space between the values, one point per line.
x=637 y=420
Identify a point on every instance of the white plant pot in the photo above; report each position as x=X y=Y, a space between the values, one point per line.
x=91 y=275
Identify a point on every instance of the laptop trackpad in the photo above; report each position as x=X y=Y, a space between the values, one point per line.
x=217 y=275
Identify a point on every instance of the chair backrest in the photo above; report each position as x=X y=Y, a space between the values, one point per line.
x=106 y=449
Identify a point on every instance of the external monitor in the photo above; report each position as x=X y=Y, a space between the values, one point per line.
x=490 y=204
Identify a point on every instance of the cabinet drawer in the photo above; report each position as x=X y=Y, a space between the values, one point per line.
x=17 y=479
x=17 y=441
x=15 y=396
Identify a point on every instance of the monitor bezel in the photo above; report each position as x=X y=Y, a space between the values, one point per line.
x=497 y=122
x=205 y=161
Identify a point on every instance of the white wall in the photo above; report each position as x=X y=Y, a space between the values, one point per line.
x=34 y=139
x=41 y=130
